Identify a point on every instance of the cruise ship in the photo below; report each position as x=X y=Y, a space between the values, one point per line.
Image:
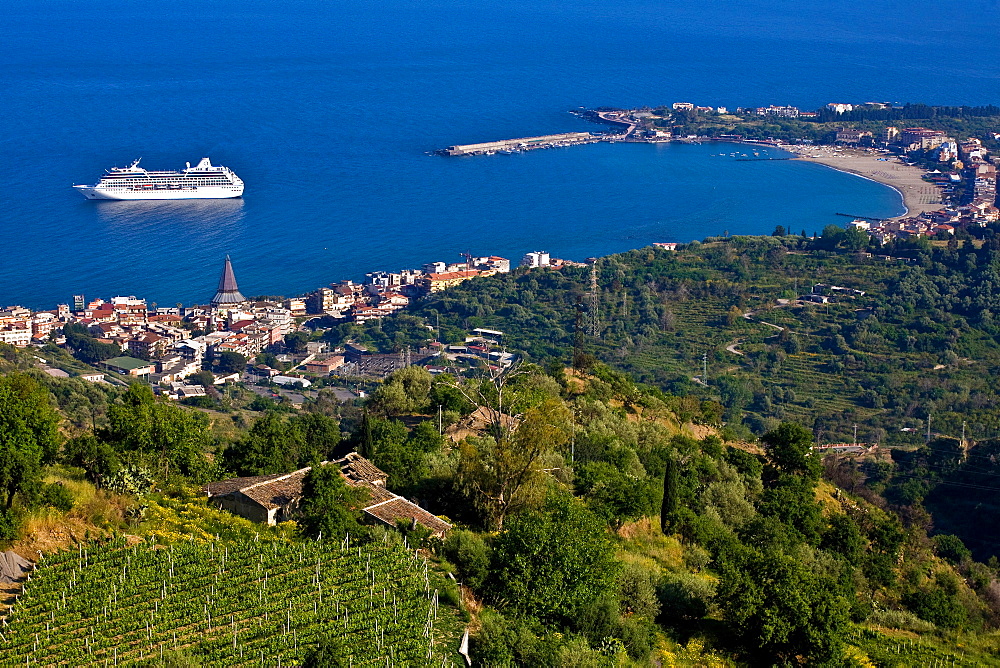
x=203 y=181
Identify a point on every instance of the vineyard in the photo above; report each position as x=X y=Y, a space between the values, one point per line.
x=247 y=603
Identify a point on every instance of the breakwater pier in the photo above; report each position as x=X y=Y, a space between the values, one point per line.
x=521 y=144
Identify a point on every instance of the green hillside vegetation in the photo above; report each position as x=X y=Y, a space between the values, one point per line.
x=920 y=341
x=959 y=122
x=599 y=521
x=632 y=542
x=919 y=345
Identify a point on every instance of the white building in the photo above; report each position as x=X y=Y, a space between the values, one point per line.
x=948 y=151
x=16 y=336
x=177 y=368
x=290 y=380
x=840 y=107
x=499 y=264
x=192 y=349
x=535 y=259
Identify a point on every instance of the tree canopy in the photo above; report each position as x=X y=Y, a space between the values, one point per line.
x=552 y=562
x=273 y=445
x=503 y=473
x=29 y=435
x=782 y=610
x=329 y=504
x=145 y=430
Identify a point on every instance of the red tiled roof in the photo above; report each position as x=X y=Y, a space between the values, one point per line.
x=452 y=275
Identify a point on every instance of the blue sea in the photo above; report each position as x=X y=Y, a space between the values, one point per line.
x=328 y=110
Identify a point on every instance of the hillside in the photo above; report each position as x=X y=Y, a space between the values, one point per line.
x=960 y=122
x=594 y=520
x=920 y=341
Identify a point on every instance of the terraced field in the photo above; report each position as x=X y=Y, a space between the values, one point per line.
x=230 y=604
x=806 y=373
x=901 y=649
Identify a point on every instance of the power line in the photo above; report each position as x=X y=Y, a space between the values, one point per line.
x=968 y=455
x=962 y=469
x=946 y=482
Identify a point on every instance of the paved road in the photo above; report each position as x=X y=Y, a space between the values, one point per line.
x=749 y=315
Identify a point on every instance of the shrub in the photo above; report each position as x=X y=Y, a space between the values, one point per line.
x=57 y=496
x=937 y=606
x=685 y=596
x=637 y=591
x=200 y=402
x=510 y=642
x=133 y=480
x=577 y=653
x=900 y=619
x=470 y=553
x=10 y=524
x=951 y=548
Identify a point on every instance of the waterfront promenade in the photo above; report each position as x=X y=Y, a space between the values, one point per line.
x=918 y=195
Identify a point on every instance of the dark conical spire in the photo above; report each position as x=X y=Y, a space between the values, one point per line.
x=228 y=292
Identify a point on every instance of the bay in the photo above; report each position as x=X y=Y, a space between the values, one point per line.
x=328 y=110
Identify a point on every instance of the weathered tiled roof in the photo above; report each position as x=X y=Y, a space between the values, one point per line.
x=278 y=492
x=376 y=493
x=278 y=489
x=357 y=467
x=399 y=508
x=230 y=485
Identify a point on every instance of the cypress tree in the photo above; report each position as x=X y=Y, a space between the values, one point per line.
x=365 y=445
x=668 y=511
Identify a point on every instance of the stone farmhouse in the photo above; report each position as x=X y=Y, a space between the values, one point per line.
x=274 y=498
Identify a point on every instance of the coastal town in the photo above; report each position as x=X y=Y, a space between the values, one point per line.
x=455 y=335
x=126 y=338
x=938 y=202
x=947 y=183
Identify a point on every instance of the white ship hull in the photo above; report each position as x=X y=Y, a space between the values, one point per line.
x=205 y=181
x=203 y=192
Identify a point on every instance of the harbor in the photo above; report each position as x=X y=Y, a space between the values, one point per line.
x=521 y=144
x=627 y=126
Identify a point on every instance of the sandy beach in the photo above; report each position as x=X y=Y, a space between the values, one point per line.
x=918 y=195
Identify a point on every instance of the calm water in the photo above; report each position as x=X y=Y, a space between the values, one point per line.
x=326 y=110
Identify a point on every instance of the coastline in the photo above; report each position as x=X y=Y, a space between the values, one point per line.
x=918 y=196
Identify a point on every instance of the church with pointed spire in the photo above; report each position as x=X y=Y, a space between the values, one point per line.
x=228 y=294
